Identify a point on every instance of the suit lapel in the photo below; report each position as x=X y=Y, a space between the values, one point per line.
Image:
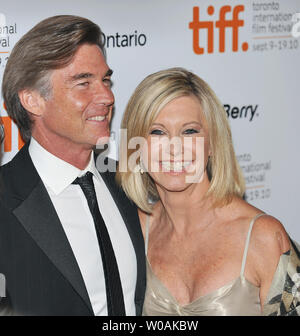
x=37 y=214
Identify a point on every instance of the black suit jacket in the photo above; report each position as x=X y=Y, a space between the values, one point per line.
x=42 y=275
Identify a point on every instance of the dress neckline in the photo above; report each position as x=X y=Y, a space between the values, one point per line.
x=228 y=285
x=225 y=288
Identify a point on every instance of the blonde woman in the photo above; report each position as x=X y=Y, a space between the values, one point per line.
x=208 y=251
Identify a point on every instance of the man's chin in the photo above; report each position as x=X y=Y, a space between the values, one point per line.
x=101 y=141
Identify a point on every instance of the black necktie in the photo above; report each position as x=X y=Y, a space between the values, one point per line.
x=114 y=293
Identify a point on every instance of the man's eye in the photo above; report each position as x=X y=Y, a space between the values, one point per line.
x=191 y=131
x=157 y=132
x=107 y=82
x=83 y=84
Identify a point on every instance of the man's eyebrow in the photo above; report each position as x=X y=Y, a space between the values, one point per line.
x=109 y=73
x=80 y=76
x=83 y=75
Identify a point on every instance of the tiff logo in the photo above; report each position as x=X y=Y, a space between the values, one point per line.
x=2 y=286
x=222 y=24
x=7 y=125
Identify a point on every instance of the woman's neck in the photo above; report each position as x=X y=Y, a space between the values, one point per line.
x=185 y=211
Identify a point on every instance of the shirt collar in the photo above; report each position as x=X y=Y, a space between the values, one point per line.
x=56 y=173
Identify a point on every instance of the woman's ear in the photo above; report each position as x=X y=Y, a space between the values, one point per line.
x=32 y=101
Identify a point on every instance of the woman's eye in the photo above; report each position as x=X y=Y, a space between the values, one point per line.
x=191 y=131
x=156 y=132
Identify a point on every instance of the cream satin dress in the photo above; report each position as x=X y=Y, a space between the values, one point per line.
x=238 y=297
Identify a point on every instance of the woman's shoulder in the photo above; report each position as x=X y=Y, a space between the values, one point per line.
x=268 y=233
x=268 y=242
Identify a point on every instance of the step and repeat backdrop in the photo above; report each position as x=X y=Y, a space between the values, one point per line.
x=248 y=52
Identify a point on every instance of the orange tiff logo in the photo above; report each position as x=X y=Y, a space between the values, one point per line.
x=221 y=24
x=8 y=124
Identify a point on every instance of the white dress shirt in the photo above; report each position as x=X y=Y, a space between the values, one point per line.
x=74 y=214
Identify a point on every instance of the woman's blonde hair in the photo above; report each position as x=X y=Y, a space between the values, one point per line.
x=148 y=99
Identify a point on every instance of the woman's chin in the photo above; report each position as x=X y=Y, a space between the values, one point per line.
x=174 y=186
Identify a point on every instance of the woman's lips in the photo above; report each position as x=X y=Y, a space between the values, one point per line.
x=175 y=166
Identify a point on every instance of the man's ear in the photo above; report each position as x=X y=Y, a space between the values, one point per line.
x=32 y=101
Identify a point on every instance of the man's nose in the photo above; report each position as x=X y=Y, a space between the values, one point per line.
x=103 y=94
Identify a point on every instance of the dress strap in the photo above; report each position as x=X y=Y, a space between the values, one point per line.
x=147 y=233
x=247 y=242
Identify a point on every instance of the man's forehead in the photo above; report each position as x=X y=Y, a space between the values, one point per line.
x=73 y=72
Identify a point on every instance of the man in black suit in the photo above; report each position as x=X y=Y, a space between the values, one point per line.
x=70 y=240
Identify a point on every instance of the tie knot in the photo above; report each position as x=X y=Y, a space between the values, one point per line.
x=87 y=178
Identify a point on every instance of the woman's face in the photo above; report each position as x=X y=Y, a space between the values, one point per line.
x=177 y=145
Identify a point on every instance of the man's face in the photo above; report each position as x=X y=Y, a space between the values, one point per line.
x=78 y=111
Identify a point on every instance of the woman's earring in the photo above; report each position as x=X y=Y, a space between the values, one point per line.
x=141 y=170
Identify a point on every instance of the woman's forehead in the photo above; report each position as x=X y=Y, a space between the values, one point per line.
x=182 y=109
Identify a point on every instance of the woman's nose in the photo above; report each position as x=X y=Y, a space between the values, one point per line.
x=174 y=146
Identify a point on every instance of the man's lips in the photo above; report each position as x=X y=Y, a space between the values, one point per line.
x=99 y=114
x=97 y=118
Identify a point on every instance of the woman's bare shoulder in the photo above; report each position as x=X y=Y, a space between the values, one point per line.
x=268 y=233
x=269 y=242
